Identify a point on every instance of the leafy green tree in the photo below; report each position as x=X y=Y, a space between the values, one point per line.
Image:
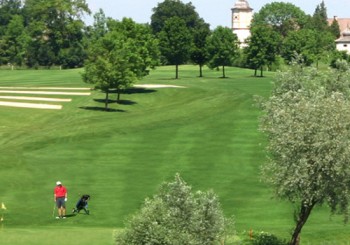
x=263 y=46
x=174 y=8
x=175 y=42
x=308 y=126
x=282 y=17
x=176 y=215
x=222 y=47
x=56 y=29
x=199 y=51
x=8 y=9
x=334 y=28
x=17 y=40
x=120 y=58
x=319 y=19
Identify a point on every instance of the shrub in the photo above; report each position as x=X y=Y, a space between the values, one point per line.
x=176 y=216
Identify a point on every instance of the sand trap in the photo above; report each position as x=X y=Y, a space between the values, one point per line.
x=42 y=92
x=157 y=86
x=31 y=105
x=35 y=98
x=46 y=88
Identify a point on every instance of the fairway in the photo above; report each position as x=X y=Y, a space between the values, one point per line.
x=206 y=129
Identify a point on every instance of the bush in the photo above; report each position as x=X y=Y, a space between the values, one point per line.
x=176 y=216
x=265 y=238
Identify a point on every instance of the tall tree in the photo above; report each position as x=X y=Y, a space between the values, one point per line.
x=174 y=8
x=175 y=42
x=308 y=126
x=56 y=28
x=282 y=17
x=119 y=58
x=222 y=47
x=335 y=28
x=199 y=51
x=263 y=47
x=319 y=19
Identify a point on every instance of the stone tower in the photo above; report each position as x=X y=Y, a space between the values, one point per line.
x=242 y=15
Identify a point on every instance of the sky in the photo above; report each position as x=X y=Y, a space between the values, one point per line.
x=214 y=12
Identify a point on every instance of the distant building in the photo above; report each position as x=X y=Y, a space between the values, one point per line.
x=242 y=15
x=343 y=42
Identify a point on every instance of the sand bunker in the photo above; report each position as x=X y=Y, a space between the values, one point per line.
x=30 y=105
x=157 y=86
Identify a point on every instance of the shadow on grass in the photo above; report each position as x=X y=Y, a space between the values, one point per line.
x=138 y=91
x=96 y=108
x=120 y=102
x=70 y=215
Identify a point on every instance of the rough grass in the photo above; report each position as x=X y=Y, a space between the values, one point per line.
x=207 y=132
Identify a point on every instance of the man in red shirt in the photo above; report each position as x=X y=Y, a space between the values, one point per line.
x=60 y=197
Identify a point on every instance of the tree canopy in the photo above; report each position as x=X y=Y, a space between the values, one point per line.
x=307 y=124
x=222 y=47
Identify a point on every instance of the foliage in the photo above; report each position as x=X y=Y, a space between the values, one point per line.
x=282 y=17
x=177 y=216
x=120 y=57
x=199 y=50
x=222 y=48
x=263 y=46
x=308 y=128
x=55 y=28
x=265 y=238
x=174 y=8
x=175 y=42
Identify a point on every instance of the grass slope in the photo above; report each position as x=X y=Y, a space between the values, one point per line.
x=207 y=132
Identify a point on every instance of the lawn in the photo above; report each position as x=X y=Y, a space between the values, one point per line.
x=207 y=132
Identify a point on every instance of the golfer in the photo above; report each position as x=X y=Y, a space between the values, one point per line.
x=60 y=197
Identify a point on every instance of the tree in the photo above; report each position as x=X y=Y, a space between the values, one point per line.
x=56 y=30
x=174 y=8
x=176 y=215
x=282 y=17
x=120 y=57
x=222 y=47
x=199 y=51
x=334 y=28
x=307 y=124
x=175 y=42
x=263 y=46
x=319 y=19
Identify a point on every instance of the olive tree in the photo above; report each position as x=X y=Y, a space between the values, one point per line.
x=176 y=215
x=307 y=122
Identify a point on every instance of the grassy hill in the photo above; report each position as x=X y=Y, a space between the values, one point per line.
x=206 y=131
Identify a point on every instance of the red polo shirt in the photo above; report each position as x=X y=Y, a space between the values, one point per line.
x=60 y=191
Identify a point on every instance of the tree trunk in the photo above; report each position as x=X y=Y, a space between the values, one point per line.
x=106 y=100
x=200 y=70
x=177 y=72
x=118 y=95
x=223 y=72
x=304 y=214
x=255 y=72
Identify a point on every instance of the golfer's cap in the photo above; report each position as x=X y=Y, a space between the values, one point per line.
x=58 y=183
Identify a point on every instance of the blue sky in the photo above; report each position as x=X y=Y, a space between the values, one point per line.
x=214 y=12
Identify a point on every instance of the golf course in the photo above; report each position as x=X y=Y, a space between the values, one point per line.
x=205 y=129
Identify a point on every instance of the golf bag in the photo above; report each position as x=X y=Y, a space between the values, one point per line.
x=82 y=204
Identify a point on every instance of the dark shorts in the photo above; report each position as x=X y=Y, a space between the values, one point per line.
x=60 y=202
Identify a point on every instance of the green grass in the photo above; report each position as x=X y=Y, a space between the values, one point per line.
x=207 y=132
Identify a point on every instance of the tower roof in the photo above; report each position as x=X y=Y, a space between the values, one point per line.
x=242 y=4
